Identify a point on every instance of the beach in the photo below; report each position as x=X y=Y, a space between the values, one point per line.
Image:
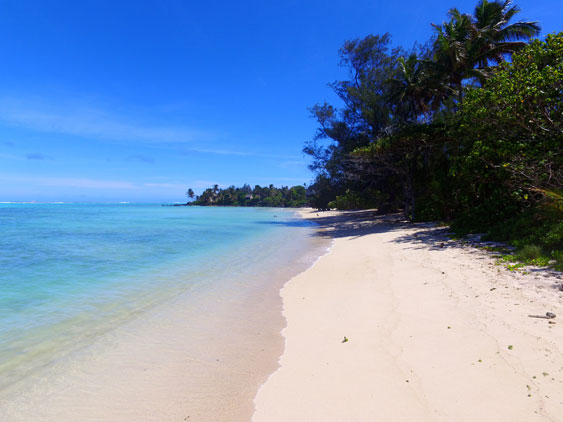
x=132 y=312
x=359 y=318
x=400 y=323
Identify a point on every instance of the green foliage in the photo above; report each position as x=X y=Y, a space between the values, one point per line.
x=468 y=128
x=372 y=63
x=509 y=170
x=352 y=200
x=529 y=252
x=245 y=196
x=558 y=257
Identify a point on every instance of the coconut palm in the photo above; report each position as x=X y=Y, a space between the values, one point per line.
x=452 y=62
x=494 y=37
x=410 y=90
x=467 y=45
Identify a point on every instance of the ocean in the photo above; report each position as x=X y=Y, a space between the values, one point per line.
x=74 y=274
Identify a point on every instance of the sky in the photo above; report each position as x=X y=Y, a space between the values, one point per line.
x=141 y=100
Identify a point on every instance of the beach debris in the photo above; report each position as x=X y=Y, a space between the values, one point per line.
x=548 y=315
x=345 y=339
x=510 y=347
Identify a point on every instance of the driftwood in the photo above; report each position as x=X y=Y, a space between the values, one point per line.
x=548 y=315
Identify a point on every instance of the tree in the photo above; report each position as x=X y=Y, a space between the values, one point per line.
x=412 y=91
x=451 y=62
x=511 y=133
x=367 y=113
x=190 y=193
x=260 y=197
x=494 y=36
x=467 y=45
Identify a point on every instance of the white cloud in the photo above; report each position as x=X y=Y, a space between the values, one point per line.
x=89 y=122
x=239 y=153
x=289 y=164
x=70 y=182
x=87 y=183
x=176 y=186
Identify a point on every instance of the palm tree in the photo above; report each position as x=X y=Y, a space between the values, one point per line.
x=451 y=62
x=467 y=45
x=190 y=193
x=495 y=38
x=411 y=90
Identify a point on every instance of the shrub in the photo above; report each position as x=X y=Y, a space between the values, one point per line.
x=352 y=200
x=529 y=252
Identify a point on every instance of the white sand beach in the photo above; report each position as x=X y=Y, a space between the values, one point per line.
x=436 y=332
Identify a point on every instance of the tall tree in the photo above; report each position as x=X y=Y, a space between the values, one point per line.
x=412 y=91
x=366 y=113
x=467 y=45
x=494 y=37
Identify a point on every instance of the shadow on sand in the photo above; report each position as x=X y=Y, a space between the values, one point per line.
x=427 y=236
x=354 y=224
x=350 y=224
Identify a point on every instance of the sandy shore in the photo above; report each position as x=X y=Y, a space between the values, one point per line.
x=436 y=332
x=198 y=357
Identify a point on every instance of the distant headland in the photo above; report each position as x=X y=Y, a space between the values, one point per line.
x=246 y=196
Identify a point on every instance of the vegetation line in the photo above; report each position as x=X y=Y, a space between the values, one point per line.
x=466 y=128
x=246 y=196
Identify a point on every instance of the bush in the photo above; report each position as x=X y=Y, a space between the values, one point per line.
x=529 y=252
x=509 y=167
x=558 y=257
x=352 y=200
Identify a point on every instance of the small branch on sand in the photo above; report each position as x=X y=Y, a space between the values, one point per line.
x=548 y=315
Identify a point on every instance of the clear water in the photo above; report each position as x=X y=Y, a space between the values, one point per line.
x=71 y=272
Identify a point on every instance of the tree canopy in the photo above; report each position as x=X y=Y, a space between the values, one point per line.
x=245 y=196
x=466 y=127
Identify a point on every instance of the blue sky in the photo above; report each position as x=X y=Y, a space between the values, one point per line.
x=139 y=100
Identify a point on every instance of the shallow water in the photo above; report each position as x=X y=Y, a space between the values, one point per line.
x=73 y=275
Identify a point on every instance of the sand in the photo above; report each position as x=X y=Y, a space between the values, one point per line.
x=199 y=357
x=436 y=332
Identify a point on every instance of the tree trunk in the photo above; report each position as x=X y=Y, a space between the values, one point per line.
x=409 y=197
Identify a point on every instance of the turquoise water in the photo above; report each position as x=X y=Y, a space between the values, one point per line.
x=72 y=272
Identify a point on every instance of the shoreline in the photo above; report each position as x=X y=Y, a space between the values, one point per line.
x=200 y=356
x=435 y=332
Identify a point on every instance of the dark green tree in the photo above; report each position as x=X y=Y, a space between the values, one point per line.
x=511 y=132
